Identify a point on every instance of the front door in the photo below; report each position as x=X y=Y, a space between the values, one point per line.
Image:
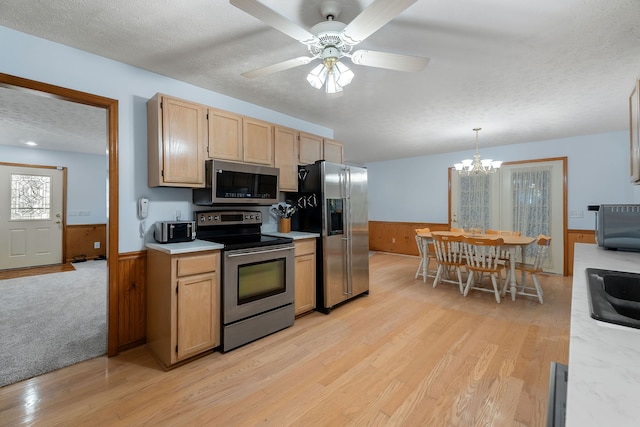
x=31 y=216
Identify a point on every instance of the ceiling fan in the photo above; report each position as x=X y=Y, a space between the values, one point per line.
x=332 y=40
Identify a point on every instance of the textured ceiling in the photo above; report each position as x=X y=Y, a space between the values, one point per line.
x=522 y=71
x=51 y=123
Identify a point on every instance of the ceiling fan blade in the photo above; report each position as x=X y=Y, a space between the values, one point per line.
x=373 y=18
x=280 y=66
x=277 y=21
x=390 y=61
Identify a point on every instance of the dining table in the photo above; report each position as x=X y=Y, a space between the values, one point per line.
x=511 y=243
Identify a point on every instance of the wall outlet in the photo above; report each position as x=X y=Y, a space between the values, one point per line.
x=96 y=245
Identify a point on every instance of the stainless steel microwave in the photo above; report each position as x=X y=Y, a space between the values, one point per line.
x=618 y=227
x=237 y=183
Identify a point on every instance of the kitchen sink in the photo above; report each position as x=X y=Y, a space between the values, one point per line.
x=614 y=296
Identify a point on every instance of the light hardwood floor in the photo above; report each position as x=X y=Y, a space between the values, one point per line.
x=405 y=355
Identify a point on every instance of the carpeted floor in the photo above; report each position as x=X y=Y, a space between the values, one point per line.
x=52 y=320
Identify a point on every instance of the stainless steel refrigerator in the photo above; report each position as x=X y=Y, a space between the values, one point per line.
x=332 y=201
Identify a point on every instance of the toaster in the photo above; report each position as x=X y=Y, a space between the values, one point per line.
x=174 y=231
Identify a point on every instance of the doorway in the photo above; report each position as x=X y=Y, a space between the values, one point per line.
x=33 y=230
x=110 y=106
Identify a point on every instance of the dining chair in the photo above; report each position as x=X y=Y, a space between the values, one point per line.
x=543 y=242
x=483 y=257
x=505 y=254
x=426 y=251
x=449 y=256
x=457 y=230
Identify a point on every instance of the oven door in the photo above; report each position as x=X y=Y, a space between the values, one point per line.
x=256 y=280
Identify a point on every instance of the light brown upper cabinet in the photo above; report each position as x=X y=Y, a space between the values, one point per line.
x=257 y=140
x=310 y=148
x=176 y=134
x=225 y=135
x=332 y=151
x=238 y=138
x=286 y=157
x=313 y=148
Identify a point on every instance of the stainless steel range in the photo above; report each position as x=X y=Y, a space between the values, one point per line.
x=257 y=275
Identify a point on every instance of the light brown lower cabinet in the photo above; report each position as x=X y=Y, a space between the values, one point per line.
x=183 y=305
x=305 y=276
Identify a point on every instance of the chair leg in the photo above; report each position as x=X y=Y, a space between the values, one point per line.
x=438 y=275
x=494 y=281
x=537 y=285
x=420 y=269
x=460 y=279
x=469 y=282
x=506 y=282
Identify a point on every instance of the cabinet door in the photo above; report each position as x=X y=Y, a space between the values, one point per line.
x=225 y=135
x=305 y=293
x=198 y=314
x=305 y=276
x=310 y=147
x=183 y=142
x=332 y=151
x=286 y=157
x=257 y=137
x=176 y=135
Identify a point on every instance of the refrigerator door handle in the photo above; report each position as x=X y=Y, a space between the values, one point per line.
x=348 y=230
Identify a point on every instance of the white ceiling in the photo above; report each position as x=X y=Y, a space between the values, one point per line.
x=522 y=71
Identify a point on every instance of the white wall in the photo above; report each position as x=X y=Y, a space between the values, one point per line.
x=38 y=59
x=86 y=179
x=416 y=189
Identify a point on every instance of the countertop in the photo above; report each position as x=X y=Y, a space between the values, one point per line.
x=295 y=235
x=604 y=359
x=184 y=247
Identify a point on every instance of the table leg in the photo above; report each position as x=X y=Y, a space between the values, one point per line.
x=425 y=259
x=512 y=267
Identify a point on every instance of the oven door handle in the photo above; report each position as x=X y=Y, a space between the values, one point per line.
x=258 y=252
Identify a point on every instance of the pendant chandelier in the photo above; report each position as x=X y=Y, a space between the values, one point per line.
x=477 y=166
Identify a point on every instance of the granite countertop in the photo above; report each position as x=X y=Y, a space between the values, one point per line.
x=604 y=372
x=184 y=247
x=295 y=235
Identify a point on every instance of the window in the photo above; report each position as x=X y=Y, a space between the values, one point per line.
x=30 y=197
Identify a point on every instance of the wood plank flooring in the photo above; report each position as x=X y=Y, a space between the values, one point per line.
x=405 y=355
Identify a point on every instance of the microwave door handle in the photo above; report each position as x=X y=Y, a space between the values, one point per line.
x=171 y=231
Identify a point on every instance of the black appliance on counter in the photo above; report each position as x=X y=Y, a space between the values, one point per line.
x=257 y=275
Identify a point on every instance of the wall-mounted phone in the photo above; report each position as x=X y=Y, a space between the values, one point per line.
x=143 y=207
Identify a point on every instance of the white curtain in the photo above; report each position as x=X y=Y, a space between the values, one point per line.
x=475 y=202
x=531 y=192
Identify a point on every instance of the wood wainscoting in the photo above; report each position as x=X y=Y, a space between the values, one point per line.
x=398 y=237
x=132 y=299
x=80 y=240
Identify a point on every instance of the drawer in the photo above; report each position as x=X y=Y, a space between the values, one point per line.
x=305 y=247
x=196 y=264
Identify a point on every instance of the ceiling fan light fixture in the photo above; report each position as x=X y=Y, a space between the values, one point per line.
x=346 y=75
x=317 y=76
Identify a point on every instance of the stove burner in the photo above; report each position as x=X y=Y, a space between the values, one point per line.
x=234 y=229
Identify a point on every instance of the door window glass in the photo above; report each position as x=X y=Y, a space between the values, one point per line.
x=30 y=197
